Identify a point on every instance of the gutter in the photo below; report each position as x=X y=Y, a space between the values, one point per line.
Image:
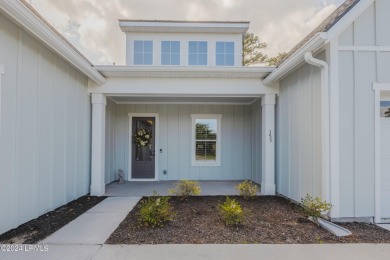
x=297 y=58
x=325 y=108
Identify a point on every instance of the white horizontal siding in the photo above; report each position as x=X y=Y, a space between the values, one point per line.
x=175 y=141
x=44 y=142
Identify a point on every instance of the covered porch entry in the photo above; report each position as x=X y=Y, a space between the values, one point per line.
x=213 y=129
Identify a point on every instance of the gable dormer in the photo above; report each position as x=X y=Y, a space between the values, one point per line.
x=183 y=43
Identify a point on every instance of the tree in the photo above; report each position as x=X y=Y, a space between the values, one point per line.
x=252 y=48
x=273 y=61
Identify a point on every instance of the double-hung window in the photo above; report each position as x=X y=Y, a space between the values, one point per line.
x=206 y=140
x=143 y=52
x=197 y=53
x=225 y=53
x=170 y=53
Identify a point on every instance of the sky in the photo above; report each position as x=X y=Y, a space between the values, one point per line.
x=92 y=25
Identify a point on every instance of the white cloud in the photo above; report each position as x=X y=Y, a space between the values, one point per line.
x=92 y=25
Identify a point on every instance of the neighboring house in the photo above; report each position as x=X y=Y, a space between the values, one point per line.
x=316 y=124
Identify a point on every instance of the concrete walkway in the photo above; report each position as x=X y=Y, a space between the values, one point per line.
x=96 y=225
x=195 y=252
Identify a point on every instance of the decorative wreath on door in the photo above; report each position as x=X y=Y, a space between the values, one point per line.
x=143 y=137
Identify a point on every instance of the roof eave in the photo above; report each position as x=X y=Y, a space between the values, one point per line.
x=185 y=72
x=26 y=19
x=316 y=43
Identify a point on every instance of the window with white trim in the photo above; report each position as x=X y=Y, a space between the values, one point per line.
x=225 y=53
x=170 y=53
x=143 y=52
x=197 y=53
x=206 y=140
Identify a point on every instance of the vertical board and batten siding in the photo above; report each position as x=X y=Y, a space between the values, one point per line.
x=45 y=140
x=175 y=141
x=298 y=142
x=358 y=70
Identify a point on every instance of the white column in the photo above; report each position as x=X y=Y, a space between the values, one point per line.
x=1 y=75
x=98 y=144
x=268 y=144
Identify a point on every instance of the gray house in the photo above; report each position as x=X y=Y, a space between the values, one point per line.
x=183 y=107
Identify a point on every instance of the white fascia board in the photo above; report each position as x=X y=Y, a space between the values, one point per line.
x=31 y=23
x=190 y=27
x=297 y=58
x=184 y=71
x=349 y=18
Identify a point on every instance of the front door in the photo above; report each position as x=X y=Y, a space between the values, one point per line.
x=143 y=148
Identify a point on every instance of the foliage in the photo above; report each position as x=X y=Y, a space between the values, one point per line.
x=155 y=211
x=273 y=61
x=247 y=189
x=186 y=188
x=252 y=48
x=231 y=212
x=143 y=137
x=387 y=113
x=315 y=207
x=203 y=131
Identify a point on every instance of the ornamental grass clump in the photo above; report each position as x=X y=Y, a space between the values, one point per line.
x=155 y=211
x=247 y=189
x=186 y=188
x=231 y=212
x=315 y=207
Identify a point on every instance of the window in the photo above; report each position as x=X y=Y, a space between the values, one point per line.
x=143 y=53
x=225 y=53
x=170 y=53
x=197 y=53
x=206 y=140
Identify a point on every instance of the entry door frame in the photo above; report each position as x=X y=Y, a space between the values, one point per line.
x=156 y=144
x=378 y=88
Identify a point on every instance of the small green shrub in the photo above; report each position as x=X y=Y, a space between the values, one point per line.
x=315 y=207
x=186 y=188
x=247 y=189
x=231 y=212
x=155 y=211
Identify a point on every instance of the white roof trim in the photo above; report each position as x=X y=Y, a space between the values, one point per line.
x=297 y=58
x=183 y=27
x=30 y=22
x=183 y=72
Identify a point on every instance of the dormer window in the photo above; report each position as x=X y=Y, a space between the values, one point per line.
x=170 y=53
x=143 y=52
x=197 y=53
x=225 y=53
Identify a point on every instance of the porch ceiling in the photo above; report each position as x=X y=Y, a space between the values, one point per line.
x=187 y=100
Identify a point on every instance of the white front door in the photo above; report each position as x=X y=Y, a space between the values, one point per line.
x=385 y=169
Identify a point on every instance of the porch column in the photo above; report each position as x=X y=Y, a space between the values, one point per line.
x=98 y=144
x=268 y=144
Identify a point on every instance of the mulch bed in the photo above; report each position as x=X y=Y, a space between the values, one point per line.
x=270 y=220
x=45 y=225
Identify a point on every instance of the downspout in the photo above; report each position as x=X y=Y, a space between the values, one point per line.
x=325 y=122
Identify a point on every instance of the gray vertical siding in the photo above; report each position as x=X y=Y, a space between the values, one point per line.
x=44 y=141
x=299 y=149
x=358 y=70
x=175 y=141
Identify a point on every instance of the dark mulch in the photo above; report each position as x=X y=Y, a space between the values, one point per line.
x=45 y=225
x=271 y=220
